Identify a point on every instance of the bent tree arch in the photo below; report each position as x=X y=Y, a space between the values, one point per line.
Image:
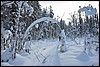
x=38 y=21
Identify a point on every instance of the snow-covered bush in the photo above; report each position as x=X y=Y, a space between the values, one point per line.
x=62 y=39
x=90 y=43
x=27 y=46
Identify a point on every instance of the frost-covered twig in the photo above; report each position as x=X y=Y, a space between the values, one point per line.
x=45 y=59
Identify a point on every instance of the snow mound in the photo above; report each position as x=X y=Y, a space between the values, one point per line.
x=20 y=61
x=90 y=53
x=16 y=60
x=23 y=53
x=83 y=57
x=5 y=64
x=6 y=55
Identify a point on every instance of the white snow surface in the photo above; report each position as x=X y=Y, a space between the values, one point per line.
x=5 y=57
x=45 y=53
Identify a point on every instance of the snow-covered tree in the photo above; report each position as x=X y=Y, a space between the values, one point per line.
x=16 y=16
x=44 y=12
x=51 y=12
x=62 y=39
x=80 y=23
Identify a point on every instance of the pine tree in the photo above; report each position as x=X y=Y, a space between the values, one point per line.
x=44 y=13
x=51 y=12
x=37 y=10
x=62 y=24
x=80 y=25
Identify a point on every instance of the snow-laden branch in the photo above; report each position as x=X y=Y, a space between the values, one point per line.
x=89 y=10
x=38 y=21
x=7 y=3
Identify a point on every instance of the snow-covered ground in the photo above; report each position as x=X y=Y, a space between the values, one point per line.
x=45 y=53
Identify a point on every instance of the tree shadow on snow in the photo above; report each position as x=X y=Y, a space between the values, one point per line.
x=83 y=57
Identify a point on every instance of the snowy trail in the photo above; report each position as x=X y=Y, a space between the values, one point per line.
x=21 y=61
x=53 y=57
x=50 y=54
